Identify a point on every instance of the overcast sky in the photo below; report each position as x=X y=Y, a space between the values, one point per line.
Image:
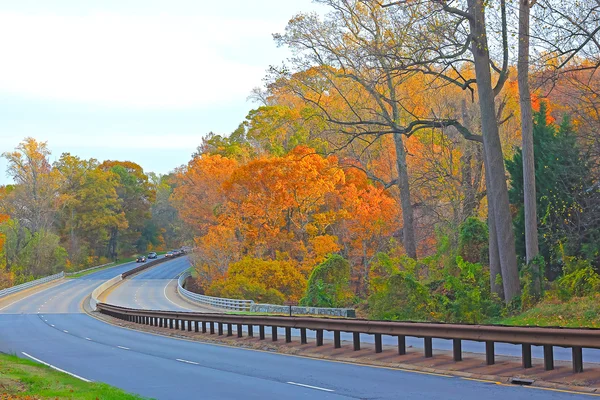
x=138 y=80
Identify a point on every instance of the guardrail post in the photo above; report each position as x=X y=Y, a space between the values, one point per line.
x=401 y=345
x=261 y=332
x=548 y=357
x=428 y=347
x=288 y=334
x=303 y=336
x=356 y=340
x=212 y=328
x=190 y=326
x=239 y=330
x=337 y=342
x=229 y=329
x=489 y=353
x=378 y=345
x=457 y=349
x=577 y=360
x=196 y=327
x=319 y=337
x=274 y=333
x=182 y=322
x=203 y=326
x=250 y=330
x=220 y=328
x=526 y=355
x=170 y=323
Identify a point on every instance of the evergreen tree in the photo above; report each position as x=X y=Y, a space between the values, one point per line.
x=565 y=193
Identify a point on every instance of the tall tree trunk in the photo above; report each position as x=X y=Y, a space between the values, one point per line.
x=494 y=256
x=408 y=231
x=529 y=201
x=497 y=189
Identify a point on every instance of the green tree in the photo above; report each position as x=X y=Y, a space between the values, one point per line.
x=566 y=194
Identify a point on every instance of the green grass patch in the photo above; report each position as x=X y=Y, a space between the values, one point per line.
x=578 y=312
x=20 y=378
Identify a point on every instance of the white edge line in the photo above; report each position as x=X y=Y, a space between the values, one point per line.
x=65 y=331
x=310 y=387
x=52 y=325
x=171 y=301
x=124 y=348
x=87 y=338
x=56 y=368
x=187 y=362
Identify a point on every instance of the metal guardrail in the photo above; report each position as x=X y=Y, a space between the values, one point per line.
x=576 y=339
x=27 y=285
x=229 y=304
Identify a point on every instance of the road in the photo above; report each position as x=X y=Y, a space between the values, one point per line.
x=51 y=326
x=155 y=289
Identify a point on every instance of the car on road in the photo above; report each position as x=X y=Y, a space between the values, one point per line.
x=169 y=254
x=141 y=259
x=152 y=255
x=176 y=253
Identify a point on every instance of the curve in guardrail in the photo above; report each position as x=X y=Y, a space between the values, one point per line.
x=27 y=285
x=576 y=339
x=87 y=269
x=219 y=302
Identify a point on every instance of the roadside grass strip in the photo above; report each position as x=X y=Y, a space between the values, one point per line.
x=21 y=378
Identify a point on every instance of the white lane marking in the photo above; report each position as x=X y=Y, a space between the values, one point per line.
x=52 y=325
x=87 y=338
x=32 y=294
x=171 y=301
x=187 y=362
x=124 y=348
x=56 y=368
x=65 y=331
x=310 y=387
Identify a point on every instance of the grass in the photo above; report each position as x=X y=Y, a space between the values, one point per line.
x=25 y=379
x=578 y=312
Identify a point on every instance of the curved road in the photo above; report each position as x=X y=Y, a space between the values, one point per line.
x=51 y=326
x=155 y=289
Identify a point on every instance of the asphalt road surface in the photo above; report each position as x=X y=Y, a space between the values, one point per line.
x=51 y=326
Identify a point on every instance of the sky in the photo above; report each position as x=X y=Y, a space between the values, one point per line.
x=137 y=80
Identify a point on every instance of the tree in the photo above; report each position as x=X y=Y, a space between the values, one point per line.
x=527 y=149
x=566 y=195
x=444 y=35
x=346 y=68
x=136 y=195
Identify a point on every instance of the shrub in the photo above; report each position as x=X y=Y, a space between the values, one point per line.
x=579 y=278
x=403 y=298
x=467 y=297
x=329 y=284
x=473 y=240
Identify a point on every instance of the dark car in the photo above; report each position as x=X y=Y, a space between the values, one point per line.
x=141 y=259
x=152 y=255
x=176 y=253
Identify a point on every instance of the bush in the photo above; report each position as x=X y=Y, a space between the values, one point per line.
x=402 y=298
x=473 y=241
x=329 y=284
x=264 y=281
x=579 y=279
x=467 y=296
